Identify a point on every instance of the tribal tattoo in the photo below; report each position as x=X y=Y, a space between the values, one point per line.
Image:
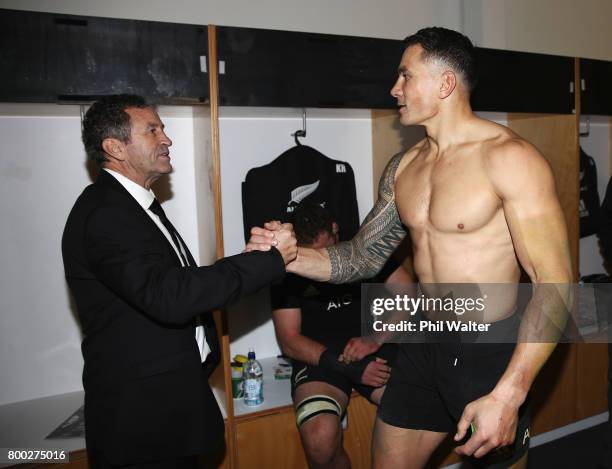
x=381 y=232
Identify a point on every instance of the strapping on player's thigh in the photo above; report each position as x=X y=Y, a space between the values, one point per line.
x=315 y=405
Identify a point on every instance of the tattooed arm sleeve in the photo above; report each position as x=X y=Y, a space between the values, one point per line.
x=379 y=235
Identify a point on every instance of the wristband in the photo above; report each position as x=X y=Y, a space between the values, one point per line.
x=353 y=371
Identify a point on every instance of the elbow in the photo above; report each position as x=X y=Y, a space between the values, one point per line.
x=565 y=275
x=561 y=273
x=286 y=347
x=556 y=283
x=287 y=351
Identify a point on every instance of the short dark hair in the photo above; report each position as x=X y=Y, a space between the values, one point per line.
x=106 y=118
x=452 y=47
x=309 y=220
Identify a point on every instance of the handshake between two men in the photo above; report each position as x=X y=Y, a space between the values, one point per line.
x=276 y=234
x=310 y=263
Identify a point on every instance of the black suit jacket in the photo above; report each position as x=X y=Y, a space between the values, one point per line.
x=146 y=391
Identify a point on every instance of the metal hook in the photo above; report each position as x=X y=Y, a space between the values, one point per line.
x=82 y=114
x=300 y=133
x=588 y=128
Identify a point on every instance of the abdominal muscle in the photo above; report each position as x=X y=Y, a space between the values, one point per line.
x=478 y=263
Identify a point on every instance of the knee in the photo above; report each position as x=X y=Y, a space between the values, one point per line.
x=321 y=439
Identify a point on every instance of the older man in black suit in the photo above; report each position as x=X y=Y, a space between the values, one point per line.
x=143 y=303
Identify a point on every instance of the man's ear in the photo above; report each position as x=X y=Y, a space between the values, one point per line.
x=114 y=148
x=448 y=82
x=335 y=228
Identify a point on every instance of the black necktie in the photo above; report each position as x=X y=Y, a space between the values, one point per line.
x=157 y=209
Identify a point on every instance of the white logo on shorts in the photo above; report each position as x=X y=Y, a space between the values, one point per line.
x=526 y=436
x=300 y=375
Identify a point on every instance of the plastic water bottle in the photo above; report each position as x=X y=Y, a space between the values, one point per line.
x=253 y=381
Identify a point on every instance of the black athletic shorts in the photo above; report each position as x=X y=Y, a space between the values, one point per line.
x=431 y=384
x=305 y=373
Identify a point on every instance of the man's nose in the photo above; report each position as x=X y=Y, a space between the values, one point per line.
x=396 y=90
x=166 y=140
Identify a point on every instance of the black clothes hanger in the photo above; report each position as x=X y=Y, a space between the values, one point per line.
x=297 y=134
x=302 y=132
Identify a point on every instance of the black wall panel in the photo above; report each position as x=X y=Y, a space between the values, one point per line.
x=291 y=69
x=51 y=57
x=597 y=94
x=523 y=82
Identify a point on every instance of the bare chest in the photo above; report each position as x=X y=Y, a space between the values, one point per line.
x=446 y=196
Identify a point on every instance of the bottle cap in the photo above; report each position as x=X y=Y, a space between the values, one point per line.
x=241 y=359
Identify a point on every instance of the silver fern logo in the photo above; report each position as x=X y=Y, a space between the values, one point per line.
x=300 y=193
